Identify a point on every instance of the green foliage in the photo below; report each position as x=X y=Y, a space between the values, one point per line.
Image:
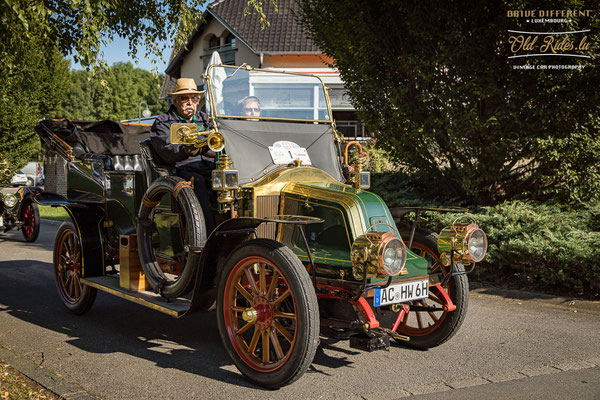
x=81 y=27
x=441 y=93
x=115 y=93
x=538 y=246
x=33 y=81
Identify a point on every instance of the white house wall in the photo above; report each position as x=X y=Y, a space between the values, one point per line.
x=193 y=63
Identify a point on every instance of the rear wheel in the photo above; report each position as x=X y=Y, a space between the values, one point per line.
x=30 y=216
x=75 y=295
x=430 y=323
x=267 y=313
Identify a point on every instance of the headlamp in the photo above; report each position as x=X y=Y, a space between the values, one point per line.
x=467 y=241
x=10 y=200
x=377 y=253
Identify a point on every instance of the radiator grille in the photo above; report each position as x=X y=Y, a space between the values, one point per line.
x=267 y=206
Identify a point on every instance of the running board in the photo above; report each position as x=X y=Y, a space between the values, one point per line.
x=110 y=284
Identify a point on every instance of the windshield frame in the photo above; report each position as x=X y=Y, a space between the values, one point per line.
x=213 y=110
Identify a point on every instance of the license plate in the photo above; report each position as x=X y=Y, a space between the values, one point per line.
x=402 y=292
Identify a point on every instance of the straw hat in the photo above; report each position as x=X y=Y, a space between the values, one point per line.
x=186 y=86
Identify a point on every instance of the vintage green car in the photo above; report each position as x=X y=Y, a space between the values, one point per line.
x=302 y=248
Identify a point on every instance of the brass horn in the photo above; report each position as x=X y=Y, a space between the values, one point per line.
x=188 y=134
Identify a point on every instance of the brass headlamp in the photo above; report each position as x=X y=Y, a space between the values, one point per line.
x=466 y=241
x=9 y=200
x=378 y=253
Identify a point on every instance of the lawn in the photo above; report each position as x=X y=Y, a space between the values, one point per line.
x=54 y=213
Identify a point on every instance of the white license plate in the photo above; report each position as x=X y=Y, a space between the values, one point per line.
x=401 y=292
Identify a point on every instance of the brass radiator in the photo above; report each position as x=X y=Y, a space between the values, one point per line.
x=267 y=206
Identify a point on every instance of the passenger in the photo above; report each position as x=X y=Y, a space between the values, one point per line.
x=250 y=106
x=188 y=162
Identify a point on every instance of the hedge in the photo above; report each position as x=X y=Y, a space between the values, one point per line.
x=545 y=247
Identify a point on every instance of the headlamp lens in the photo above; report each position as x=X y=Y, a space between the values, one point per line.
x=394 y=257
x=477 y=245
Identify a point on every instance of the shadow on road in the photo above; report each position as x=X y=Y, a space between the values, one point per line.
x=114 y=325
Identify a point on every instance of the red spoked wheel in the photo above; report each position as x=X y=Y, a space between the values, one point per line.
x=30 y=217
x=268 y=313
x=75 y=295
x=434 y=320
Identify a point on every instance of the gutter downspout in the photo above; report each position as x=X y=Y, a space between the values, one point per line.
x=260 y=60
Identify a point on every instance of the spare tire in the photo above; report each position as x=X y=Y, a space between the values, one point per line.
x=192 y=228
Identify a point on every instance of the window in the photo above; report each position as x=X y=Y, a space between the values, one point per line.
x=214 y=43
x=230 y=40
x=352 y=130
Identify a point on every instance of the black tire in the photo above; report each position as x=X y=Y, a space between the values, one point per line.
x=448 y=322
x=194 y=233
x=30 y=216
x=290 y=343
x=75 y=295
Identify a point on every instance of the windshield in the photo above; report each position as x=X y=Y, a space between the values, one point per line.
x=263 y=95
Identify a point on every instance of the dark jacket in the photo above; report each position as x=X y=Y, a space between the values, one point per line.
x=174 y=154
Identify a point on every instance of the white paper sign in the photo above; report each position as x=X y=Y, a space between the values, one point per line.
x=285 y=152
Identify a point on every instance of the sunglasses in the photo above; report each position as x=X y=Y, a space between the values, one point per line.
x=257 y=109
x=193 y=99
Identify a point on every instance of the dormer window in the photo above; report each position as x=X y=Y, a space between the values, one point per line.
x=214 y=43
x=230 y=40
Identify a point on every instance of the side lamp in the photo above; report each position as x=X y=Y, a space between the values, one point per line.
x=225 y=181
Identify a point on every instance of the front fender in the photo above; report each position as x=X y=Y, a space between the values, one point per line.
x=221 y=242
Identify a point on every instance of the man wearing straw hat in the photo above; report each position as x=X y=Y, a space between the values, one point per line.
x=189 y=163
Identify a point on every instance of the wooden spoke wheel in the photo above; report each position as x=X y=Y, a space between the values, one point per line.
x=30 y=217
x=268 y=313
x=429 y=322
x=75 y=295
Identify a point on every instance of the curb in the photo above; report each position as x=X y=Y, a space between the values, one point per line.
x=54 y=383
x=567 y=303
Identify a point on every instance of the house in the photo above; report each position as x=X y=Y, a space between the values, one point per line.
x=240 y=39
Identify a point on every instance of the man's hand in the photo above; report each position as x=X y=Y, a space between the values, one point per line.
x=191 y=150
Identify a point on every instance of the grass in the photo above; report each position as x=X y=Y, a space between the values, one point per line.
x=16 y=386
x=53 y=213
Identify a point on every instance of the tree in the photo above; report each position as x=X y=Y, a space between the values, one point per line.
x=433 y=79
x=114 y=93
x=81 y=27
x=33 y=81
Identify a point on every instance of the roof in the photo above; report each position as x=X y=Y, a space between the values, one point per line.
x=285 y=34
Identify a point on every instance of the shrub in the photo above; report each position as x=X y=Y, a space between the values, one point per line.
x=538 y=246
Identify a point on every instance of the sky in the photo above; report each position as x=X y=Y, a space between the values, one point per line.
x=117 y=52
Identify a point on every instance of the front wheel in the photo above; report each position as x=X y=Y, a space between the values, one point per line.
x=429 y=323
x=267 y=313
x=30 y=217
x=75 y=295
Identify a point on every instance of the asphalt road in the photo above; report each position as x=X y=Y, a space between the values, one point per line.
x=508 y=347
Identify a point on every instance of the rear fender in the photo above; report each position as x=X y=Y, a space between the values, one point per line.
x=88 y=222
x=219 y=246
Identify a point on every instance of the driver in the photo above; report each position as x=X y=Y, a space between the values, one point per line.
x=189 y=162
